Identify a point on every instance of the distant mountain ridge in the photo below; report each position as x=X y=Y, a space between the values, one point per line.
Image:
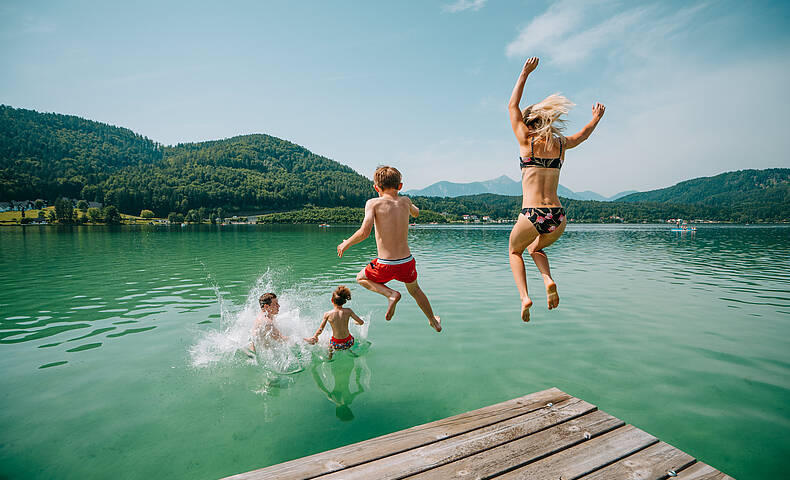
x=503 y=185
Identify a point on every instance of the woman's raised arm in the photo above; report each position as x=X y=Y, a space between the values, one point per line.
x=516 y=120
x=574 y=140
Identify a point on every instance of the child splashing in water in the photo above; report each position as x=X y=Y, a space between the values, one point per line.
x=338 y=319
x=264 y=332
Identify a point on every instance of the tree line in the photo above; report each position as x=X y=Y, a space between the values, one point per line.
x=50 y=156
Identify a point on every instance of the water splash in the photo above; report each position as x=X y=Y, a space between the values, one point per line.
x=301 y=308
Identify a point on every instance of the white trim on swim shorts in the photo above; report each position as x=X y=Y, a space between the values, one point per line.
x=400 y=261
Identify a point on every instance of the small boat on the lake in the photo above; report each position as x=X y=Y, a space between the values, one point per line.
x=323 y=225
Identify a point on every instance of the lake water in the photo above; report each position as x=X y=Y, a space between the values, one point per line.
x=118 y=346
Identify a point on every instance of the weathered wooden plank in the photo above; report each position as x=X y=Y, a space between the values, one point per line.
x=396 y=442
x=587 y=457
x=702 y=471
x=652 y=463
x=526 y=449
x=429 y=456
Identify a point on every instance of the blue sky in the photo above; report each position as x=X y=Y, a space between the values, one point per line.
x=691 y=88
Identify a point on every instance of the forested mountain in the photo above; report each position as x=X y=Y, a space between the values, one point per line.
x=501 y=206
x=44 y=155
x=772 y=184
x=50 y=155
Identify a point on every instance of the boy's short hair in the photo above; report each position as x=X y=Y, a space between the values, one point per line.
x=266 y=299
x=387 y=177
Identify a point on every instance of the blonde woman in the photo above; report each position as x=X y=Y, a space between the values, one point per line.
x=542 y=152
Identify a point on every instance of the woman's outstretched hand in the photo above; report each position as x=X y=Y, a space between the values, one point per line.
x=530 y=65
x=597 y=110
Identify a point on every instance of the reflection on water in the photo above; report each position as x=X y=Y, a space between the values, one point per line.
x=665 y=331
x=341 y=380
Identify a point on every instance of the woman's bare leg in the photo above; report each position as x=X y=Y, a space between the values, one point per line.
x=522 y=235
x=542 y=262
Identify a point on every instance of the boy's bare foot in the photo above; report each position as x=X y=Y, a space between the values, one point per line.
x=552 y=296
x=525 y=305
x=436 y=323
x=394 y=299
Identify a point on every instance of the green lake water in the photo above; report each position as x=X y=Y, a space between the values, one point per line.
x=118 y=346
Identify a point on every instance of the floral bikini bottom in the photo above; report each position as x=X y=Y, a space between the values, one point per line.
x=545 y=219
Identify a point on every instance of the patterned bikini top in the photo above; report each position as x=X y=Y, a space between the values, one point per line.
x=533 y=161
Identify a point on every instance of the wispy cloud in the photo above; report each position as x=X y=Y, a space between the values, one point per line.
x=37 y=25
x=15 y=24
x=563 y=33
x=673 y=110
x=462 y=5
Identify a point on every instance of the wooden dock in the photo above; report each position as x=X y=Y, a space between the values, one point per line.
x=541 y=436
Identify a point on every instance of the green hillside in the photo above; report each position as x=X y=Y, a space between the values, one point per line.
x=47 y=156
x=50 y=155
x=770 y=184
x=501 y=206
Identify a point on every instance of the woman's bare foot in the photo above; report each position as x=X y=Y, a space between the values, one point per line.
x=436 y=323
x=552 y=296
x=525 y=305
x=394 y=299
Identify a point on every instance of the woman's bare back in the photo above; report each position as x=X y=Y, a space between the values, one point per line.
x=540 y=184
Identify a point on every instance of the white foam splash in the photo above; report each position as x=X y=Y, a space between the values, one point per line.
x=300 y=315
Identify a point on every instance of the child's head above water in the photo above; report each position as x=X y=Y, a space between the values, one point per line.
x=341 y=295
x=387 y=178
x=269 y=303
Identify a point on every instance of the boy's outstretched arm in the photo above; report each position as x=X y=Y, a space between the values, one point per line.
x=314 y=339
x=356 y=318
x=413 y=210
x=362 y=233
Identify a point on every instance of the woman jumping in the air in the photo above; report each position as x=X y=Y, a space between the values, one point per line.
x=542 y=149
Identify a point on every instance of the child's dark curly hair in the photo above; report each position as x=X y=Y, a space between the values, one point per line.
x=341 y=295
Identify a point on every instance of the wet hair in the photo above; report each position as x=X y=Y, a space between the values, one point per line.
x=543 y=118
x=266 y=299
x=387 y=177
x=341 y=295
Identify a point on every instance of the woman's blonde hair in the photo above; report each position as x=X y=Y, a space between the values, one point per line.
x=543 y=118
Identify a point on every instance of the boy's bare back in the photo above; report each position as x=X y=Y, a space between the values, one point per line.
x=390 y=214
x=338 y=319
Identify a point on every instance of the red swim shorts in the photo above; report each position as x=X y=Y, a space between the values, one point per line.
x=382 y=271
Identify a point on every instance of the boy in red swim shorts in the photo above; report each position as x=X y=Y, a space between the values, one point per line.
x=390 y=214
